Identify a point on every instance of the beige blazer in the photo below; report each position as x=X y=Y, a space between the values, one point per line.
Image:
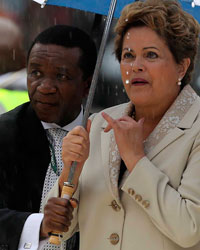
x=157 y=206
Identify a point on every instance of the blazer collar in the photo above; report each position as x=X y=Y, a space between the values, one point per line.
x=180 y=116
x=110 y=155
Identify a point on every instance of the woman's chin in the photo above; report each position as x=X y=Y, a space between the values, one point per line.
x=140 y=99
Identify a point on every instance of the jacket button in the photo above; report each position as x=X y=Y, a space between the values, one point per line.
x=146 y=204
x=115 y=206
x=138 y=197
x=131 y=191
x=114 y=238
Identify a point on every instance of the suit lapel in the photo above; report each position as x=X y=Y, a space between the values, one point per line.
x=34 y=154
x=180 y=116
x=169 y=138
x=105 y=147
x=110 y=153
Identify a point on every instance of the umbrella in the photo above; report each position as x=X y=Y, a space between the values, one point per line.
x=192 y=7
x=102 y=7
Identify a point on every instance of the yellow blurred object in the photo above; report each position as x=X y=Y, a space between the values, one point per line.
x=9 y=99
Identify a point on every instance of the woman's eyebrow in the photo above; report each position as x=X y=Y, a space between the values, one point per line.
x=129 y=49
x=150 y=47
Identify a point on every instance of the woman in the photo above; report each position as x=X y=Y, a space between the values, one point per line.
x=140 y=187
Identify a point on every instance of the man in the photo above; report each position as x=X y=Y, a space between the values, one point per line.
x=60 y=65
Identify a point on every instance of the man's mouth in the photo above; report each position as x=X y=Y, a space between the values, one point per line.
x=46 y=103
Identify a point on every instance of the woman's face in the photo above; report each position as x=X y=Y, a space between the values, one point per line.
x=149 y=71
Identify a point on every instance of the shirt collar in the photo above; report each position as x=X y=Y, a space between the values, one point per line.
x=68 y=127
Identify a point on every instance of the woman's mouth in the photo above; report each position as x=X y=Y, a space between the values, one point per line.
x=139 y=82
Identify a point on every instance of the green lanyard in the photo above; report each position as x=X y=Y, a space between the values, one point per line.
x=53 y=160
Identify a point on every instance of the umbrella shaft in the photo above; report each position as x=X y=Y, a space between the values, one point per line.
x=99 y=62
x=71 y=173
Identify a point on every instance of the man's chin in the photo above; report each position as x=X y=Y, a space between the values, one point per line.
x=46 y=117
x=48 y=121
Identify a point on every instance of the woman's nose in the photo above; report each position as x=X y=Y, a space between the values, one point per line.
x=137 y=65
x=47 y=86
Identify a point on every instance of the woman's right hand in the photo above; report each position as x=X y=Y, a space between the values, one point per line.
x=76 y=146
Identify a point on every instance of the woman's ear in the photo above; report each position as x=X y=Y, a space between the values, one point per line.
x=183 y=67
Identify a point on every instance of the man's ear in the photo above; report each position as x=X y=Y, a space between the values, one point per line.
x=183 y=67
x=87 y=84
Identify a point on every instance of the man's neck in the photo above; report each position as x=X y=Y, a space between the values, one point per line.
x=76 y=122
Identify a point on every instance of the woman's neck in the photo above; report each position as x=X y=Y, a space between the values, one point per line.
x=151 y=118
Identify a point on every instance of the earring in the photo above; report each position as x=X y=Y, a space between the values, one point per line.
x=179 y=82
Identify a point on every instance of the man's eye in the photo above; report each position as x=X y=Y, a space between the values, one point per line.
x=35 y=73
x=152 y=55
x=63 y=77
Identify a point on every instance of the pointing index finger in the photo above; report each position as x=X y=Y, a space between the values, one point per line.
x=108 y=118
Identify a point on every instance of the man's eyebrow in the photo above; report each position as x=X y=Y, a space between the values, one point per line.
x=32 y=64
x=62 y=68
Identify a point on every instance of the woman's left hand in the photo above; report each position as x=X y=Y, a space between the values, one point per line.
x=129 y=138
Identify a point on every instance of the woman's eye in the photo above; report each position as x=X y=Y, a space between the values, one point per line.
x=127 y=56
x=152 y=55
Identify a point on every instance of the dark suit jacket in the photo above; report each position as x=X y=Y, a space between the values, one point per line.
x=24 y=159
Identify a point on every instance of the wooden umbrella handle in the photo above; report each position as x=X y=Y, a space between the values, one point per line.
x=67 y=192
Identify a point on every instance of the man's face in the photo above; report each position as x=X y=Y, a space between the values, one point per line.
x=55 y=83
